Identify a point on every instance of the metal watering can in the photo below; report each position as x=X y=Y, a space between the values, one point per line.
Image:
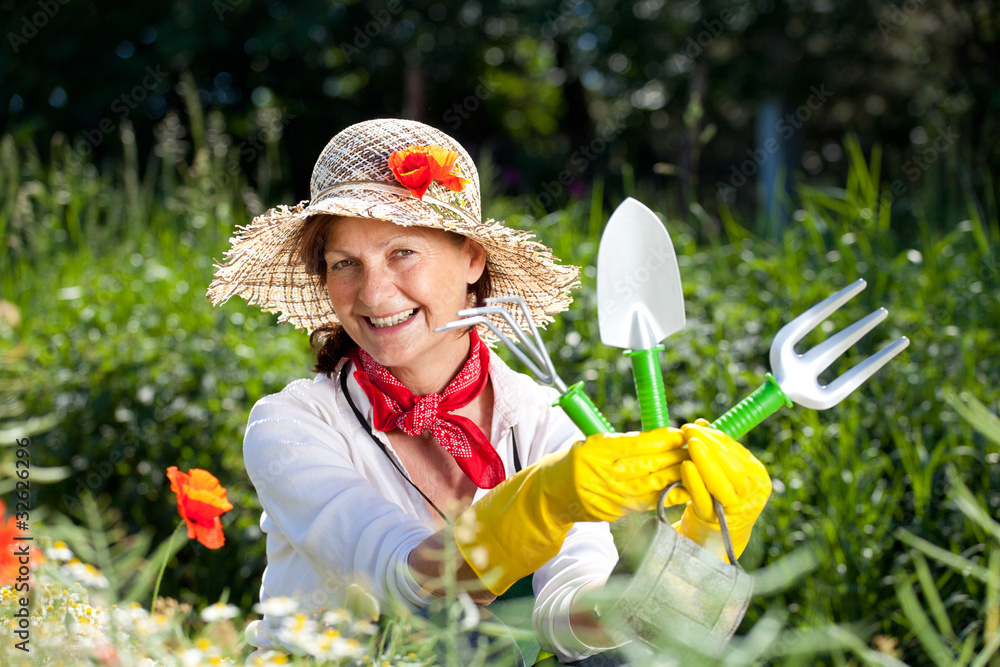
x=668 y=590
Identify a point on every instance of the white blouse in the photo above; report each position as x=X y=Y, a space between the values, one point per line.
x=337 y=512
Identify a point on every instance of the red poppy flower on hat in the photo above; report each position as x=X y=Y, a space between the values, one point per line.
x=417 y=167
x=201 y=500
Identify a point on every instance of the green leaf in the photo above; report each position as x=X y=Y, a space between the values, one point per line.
x=143 y=582
x=27 y=428
x=968 y=648
x=933 y=597
x=960 y=495
x=973 y=411
x=922 y=629
x=988 y=651
x=39 y=474
x=962 y=565
x=784 y=572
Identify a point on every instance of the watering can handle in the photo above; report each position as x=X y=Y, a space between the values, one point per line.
x=752 y=410
x=727 y=540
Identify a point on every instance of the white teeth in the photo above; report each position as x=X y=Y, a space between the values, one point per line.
x=381 y=322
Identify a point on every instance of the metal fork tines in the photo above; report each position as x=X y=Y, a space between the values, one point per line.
x=534 y=355
x=798 y=374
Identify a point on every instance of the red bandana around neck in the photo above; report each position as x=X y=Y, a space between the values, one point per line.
x=395 y=406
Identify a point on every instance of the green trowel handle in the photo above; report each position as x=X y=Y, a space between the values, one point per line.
x=649 y=387
x=752 y=410
x=583 y=412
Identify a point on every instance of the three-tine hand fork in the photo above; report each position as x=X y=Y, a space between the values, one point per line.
x=796 y=376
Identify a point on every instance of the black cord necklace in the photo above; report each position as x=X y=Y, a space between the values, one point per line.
x=371 y=432
x=364 y=423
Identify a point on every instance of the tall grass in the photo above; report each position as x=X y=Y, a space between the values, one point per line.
x=117 y=348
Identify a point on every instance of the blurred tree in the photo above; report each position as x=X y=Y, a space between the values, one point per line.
x=557 y=90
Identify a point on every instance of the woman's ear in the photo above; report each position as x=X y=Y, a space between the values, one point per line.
x=477 y=261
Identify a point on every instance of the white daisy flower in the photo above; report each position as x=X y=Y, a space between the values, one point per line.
x=277 y=606
x=86 y=574
x=126 y=617
x=270 y=659
x=192 y=657
x=364 y=627
x=336 y=617
x=219 y=612
x=59 y=551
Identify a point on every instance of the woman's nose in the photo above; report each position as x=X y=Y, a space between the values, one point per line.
x=377 y=286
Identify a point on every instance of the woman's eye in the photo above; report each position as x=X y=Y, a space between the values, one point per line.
x=404 y=252
x=342 y=264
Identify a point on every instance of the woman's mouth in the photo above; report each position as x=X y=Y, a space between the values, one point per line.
x=392 y=320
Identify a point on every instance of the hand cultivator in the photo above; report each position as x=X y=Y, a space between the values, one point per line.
x=577 y=404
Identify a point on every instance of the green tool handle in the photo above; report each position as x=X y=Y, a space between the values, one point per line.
x=583 y=412
x=649 y=387
x=752 y=410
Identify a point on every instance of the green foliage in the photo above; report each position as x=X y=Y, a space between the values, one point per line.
x=949 y=633
x=119 y=345
x=97 y=535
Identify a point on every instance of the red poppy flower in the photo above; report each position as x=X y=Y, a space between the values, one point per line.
x=201 y=500
x=417 y=167
x=8 y=561
x=11 y=550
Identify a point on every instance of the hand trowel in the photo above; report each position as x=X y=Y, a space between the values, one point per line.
x=640 y=299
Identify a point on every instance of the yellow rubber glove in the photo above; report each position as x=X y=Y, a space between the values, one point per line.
x=521 y=523
x=723 y=468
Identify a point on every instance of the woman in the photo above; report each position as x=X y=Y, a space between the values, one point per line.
x=404 y=431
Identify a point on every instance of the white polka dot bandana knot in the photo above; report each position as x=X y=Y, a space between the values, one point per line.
x=396 y=407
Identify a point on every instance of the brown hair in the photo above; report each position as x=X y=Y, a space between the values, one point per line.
x=330 y=341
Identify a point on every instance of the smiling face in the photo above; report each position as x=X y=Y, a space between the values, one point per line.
x=391 y=286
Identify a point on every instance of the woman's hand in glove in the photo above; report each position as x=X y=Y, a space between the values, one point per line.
x=521 y=523
x=610 y=475
x=723 y=468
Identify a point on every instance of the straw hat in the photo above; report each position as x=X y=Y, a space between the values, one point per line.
x=353 y=178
